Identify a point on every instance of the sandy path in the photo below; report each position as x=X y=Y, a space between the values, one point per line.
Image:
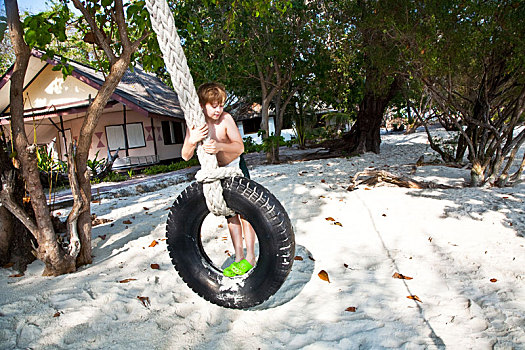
x=451 y=242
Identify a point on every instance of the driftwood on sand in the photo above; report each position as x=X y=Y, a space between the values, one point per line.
x=374 y=177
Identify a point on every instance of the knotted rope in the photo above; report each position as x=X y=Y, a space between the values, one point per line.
x=169 y=42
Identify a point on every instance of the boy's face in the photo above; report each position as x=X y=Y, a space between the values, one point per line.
x=213 y=110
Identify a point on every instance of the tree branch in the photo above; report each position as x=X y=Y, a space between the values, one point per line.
x=98 y=33
x=135 y=45
x=121 y=24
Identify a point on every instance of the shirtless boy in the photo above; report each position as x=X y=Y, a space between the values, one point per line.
x=226 y=143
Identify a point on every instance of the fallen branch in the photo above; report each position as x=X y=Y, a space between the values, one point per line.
x=377 y=176
x=108 y=166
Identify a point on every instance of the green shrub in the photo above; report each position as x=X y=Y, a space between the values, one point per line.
x=47 y=164
x=114 y=177
x=166 y=168
x=250 y=146
x=272 y=142
x=94 y=164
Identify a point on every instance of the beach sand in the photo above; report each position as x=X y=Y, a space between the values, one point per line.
x=464 y=249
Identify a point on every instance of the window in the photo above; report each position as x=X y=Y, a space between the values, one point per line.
x=172 y=132
x=251 y=126
x=115 y=136
x=135 y=135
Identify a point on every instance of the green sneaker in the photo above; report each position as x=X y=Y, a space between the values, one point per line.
x=241 y=267
x=228 y=272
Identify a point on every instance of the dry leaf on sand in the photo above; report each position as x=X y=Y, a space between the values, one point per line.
x=127 y=280
x=324 y=276
x=414 y=297
x=401 y=277
x=144 y=301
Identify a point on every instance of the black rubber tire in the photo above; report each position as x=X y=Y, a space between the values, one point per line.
x=274 y=233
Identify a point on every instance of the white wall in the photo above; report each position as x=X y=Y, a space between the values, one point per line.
x=286 y=133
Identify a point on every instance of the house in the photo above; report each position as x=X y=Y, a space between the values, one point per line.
x=248 y=118
x=142 y=119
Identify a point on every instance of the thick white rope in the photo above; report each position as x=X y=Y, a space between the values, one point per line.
x=169 y=42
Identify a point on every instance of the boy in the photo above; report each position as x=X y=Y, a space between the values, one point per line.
x=226 y=143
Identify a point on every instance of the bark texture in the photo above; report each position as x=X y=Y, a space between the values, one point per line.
x=15 y=240
x=49 y=251
x=365 y=133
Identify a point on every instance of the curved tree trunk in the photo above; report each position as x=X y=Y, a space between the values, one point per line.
x=93 y=114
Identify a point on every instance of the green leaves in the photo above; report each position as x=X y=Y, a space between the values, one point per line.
x=3 y=27
x=135 y=8
x=40 y=29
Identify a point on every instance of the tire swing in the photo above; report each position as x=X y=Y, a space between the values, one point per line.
x=221 y=192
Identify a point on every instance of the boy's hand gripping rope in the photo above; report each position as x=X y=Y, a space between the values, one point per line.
x=169 y=42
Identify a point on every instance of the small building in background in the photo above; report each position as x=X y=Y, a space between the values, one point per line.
x=248 y=118
x=142 y=119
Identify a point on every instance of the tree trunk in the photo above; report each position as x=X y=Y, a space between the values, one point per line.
x=6 y=219
x=15 y=240
x=277 y=124
x=265 y=118
x=365 y=133
x=49 y=251
x=93 y=114
x=6 y=235
x=280 y=108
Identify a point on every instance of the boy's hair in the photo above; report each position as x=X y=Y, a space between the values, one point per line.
x=211 y=93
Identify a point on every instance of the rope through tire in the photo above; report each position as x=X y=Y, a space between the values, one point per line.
x=169 y=42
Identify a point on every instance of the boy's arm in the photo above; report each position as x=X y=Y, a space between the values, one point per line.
x=192 y=138
x=235 y=145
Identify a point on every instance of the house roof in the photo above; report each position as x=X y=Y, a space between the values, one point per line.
x=243 y=110
x=138 y=89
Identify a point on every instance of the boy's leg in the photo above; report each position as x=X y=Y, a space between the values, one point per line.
x=234 y=225
x=249 y=237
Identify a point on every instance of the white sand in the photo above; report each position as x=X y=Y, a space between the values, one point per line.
x=452 y=242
